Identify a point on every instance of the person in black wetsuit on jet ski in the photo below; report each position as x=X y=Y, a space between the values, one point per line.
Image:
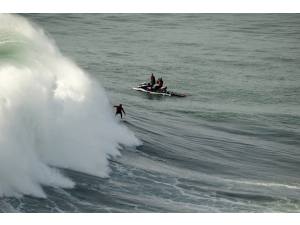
x=158 y=87
x=152 y=80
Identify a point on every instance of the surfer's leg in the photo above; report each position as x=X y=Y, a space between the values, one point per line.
x=121 y=115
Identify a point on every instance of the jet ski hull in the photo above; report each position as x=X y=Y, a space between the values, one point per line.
x=168 y=93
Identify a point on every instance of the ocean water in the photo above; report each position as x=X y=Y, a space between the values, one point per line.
x=232 y=145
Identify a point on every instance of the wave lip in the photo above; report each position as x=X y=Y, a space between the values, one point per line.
x=52 y=114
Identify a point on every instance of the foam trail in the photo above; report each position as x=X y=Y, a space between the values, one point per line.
x=51 y=114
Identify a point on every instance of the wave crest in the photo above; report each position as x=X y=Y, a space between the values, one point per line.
x=51 y=114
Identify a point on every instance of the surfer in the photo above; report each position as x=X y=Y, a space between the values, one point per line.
x=119 y=110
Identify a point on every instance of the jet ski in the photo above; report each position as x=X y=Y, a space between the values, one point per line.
x=144 y=87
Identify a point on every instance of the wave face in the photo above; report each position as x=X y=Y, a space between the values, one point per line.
x=51 y=114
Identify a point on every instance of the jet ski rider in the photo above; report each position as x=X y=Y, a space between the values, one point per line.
x=152 y=80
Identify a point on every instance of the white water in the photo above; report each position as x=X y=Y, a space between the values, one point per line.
x=51 y=114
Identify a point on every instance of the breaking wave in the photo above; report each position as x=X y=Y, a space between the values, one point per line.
x=52 y=115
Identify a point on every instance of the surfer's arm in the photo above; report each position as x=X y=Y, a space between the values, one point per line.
x=124 y=111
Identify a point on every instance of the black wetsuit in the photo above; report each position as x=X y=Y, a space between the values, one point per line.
x=119 y=110
x=152 y=80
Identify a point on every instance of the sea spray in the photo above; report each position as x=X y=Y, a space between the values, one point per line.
x=52 y=114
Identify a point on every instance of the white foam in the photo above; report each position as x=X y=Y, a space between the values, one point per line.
x=265 y=184
x=51 y=115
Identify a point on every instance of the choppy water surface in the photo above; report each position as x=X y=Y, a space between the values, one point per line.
x=232 y=145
